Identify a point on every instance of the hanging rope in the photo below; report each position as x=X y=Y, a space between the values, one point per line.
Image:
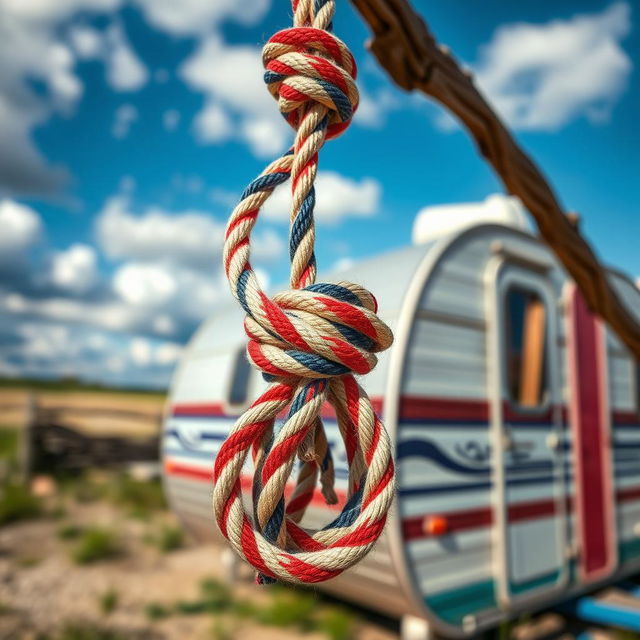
x=308 y=342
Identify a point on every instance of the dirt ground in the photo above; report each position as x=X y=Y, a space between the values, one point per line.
x=42 y=590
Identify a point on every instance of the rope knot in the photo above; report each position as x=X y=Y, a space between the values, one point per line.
x=322 y=331
x=306 y=66
x=308 y=342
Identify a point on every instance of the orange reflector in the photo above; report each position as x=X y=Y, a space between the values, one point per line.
x=435 y=525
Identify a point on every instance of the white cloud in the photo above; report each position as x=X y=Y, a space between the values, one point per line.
x=41 y=11
x=86 y=41
x=145 y=353
x=189 y=238
x=343 y=264
x=167 y=353
x=213 y=124
x=373 y=108
x=42 y=40
x=140 y=351
x=29 y=51
x=541 y=77
x=45 y=348
x=144 y=284
x=238 y=105
x=20 y=228
x=196 y=16
x=75 y=269
x=124 y=117
x=125 y=71
x=337 y=197
x=224 y=197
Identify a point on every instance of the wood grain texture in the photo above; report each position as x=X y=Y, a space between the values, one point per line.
x=406 y=49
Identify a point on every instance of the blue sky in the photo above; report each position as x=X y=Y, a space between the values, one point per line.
x=129 y=127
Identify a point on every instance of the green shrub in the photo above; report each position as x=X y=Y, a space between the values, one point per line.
x=95 y=544
x=169 y=538
x=337 y=624
x=69 y=531
x=156 y=611
x=109 y=601
x=140 y=497
x=8 y=443
x=215 y=598
x=216 y=594
x=58 y=511
x=18 y=503
x=86 y=489
x=289 y=608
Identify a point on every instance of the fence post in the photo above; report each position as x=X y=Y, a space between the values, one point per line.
x=25 y=460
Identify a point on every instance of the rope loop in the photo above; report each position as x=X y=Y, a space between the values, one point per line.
x=308 y=341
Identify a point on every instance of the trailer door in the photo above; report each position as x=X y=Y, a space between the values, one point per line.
x=529 y=499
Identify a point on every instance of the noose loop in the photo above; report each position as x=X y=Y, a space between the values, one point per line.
x=308 y=342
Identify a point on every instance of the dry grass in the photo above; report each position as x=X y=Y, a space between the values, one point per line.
x=14 y=402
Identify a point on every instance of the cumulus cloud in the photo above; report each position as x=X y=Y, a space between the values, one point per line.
x=337 y=197
x=374 y=107
x=29 y=51
x=190 y=238
x=35 y=46
x=21 y=227
x=237 y=105
x=192 y=17
x=51 y=349
x=125 y=71
x=76 y=269
x=541 y=77
x=86 y=41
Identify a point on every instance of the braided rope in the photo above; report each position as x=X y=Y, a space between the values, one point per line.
x=307 y=341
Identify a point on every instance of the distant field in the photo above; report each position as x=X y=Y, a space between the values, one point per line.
x=93 y=409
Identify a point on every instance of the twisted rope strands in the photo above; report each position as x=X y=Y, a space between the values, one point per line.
x=308 y=342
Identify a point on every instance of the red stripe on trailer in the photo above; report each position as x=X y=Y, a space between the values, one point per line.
x=629 y=494
x=416 y=408
x=421 y=408
x=589 y=419
x=416 y=527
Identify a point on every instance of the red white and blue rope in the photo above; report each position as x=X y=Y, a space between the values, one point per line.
x=307 y=341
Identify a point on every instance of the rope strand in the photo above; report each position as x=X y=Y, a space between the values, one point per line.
x=307 y=341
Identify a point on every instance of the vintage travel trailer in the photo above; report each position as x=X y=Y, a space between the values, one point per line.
x=514 y=415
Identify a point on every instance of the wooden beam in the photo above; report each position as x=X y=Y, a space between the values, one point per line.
x=404 y=47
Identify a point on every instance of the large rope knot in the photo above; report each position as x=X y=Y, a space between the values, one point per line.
x=321 y=331
x=308 y=67
x=308 y=342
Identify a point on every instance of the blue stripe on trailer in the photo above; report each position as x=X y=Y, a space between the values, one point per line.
x=590 y=609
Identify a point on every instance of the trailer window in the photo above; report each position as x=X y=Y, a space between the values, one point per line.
x=525 y=329
x=239 y=386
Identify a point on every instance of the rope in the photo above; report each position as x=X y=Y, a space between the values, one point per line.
x=307 y=341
